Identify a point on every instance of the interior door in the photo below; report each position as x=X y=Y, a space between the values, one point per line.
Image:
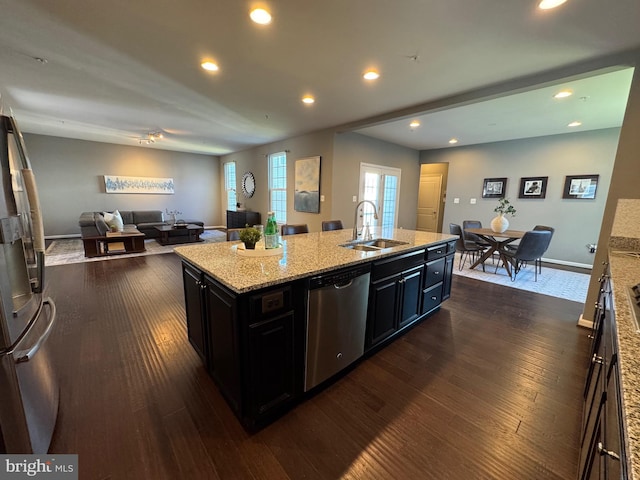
x=429 y=195
x=380 y=185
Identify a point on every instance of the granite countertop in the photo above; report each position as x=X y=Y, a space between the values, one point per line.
x=625 y=272
x=624 y=259
x=303 y=255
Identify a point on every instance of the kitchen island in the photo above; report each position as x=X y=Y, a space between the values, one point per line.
x=247 y=316
x=611 y=437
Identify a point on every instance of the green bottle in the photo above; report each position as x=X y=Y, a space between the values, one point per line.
x=271 y=231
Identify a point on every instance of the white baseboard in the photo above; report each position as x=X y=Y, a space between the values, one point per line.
x=215 y=227
x=568 y=264
x=583 y=322
x=55 y=237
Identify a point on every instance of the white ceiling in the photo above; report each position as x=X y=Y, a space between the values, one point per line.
x=117 y=70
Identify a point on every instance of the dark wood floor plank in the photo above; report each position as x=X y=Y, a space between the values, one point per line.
x=490 y=387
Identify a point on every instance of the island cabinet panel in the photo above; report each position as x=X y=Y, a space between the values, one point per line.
x=196 y=325
x=394 y=296
x=251 y=344
x=271 y=377
x=602 y=453
x=224 y=355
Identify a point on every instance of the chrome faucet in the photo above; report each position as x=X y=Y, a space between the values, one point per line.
x=355 y=217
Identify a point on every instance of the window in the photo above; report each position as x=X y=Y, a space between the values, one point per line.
x=278 y=185
x=230 y=184
x=380 y=185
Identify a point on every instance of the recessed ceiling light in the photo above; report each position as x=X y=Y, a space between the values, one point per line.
x=414 y=124
x=308 y=99
x=261 y=16
x=371 y=75
x=563 y=94
x=574 y=124
x=209 y=66
x=549 y=4
x=453 y=141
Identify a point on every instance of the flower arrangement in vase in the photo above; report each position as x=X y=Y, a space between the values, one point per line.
x=500 y=223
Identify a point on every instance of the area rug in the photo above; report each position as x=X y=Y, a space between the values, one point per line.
x=554 y=282
x=69 y=250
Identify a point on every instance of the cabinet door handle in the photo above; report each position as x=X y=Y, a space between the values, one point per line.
x=436 y=273
x=434 y=298
x=611 y=453
x=597 y=359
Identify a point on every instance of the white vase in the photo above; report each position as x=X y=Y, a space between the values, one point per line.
x=500 y=223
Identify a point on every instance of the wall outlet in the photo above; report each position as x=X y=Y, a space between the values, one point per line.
x=322 y=198
x=354 y=199
x=472 y=201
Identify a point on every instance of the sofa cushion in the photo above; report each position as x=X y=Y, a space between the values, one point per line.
x=114 y=220
x=147 y=216
x=101 y=224
x=127 y=217
x=87 y=219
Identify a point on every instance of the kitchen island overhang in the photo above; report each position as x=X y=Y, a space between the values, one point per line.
x=247 y=317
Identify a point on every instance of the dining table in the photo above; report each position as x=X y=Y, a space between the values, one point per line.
x=497 y=242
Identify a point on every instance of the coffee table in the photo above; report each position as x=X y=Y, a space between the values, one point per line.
x=170 y=235
x=129 y=241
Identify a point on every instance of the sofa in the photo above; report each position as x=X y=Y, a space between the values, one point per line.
x=93 y=223
x=94 y=227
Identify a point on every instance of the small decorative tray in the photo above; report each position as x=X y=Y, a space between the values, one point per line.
x=262 y=252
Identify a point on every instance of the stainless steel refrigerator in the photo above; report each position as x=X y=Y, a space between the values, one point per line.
x=28 y=386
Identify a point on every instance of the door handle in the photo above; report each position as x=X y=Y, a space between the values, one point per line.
x=25 y=356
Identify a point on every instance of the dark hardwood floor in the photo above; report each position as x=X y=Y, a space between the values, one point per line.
x=490 y=387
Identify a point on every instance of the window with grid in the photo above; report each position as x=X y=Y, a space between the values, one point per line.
x=230 y=184
x=278 y=185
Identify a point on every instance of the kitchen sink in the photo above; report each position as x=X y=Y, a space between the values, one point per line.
x=373 y=245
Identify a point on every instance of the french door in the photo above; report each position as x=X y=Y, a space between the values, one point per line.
x=380 y=185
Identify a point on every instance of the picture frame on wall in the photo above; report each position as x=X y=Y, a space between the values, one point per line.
x=533 y=187
x=306 y=196
x=580 y=187
x=494 y=187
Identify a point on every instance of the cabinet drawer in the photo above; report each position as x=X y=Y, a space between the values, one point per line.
x=436 y=251
x=451 y=247
x=435 y=272
x=394 y=265
x=431 y=297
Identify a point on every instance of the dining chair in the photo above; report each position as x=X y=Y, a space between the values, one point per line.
x=467 y=249
x=293 y=229
x=328 y=225
x=472 y=236
x=531 y=247
x=233 y=234
x=548 y=229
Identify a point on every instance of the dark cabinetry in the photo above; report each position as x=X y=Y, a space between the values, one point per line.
x=248 y=343
x=602 y=453
x=242 y=218
x=406 y=288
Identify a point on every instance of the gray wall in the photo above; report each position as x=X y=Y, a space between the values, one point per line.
x=340 y=170
x=70 y=180
x=577 y=222
x=352 y=149
x=255 y=160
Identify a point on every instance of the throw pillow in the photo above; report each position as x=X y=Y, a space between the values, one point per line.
x=114 y=220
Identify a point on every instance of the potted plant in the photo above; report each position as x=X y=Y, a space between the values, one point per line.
x=500 y=224
x=250 y=236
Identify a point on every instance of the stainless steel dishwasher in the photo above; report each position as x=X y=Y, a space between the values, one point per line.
x=336 y=322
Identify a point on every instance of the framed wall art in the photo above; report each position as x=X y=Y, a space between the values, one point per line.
x=533 y=187
x=494 y=187
x=580 y=187
x=121 y=184
x=306 y=196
